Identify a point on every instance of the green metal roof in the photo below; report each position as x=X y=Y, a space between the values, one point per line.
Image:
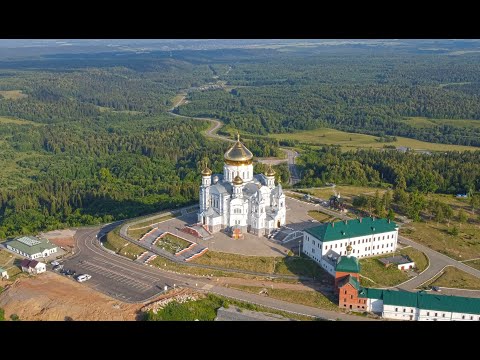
x=350 y=280
x=351 y=228
x=451 y=303
x=370 y=293
x=400 y=298
x=423 y=300
x=30 y=250
x=348 y=264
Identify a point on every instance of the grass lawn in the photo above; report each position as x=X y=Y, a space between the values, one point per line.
x=150 y=222
x=464 y=246
x=421 y=260
x=12 y=94
x=350 y=141
x=6 y=259
x=172 y=243
x=382 y=276
x=322 y=217
x=474 y=263
x=137 y=234
x=206 y=310
x=304 y=297
x=123 y=247
x=455 y=278
x=290 y=265
x=346 y=191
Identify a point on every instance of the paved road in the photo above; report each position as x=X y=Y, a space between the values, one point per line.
x=113 y=275
x=437 y=262
x=212 y=133
x=129 y=281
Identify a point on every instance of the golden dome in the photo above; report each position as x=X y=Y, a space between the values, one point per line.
x=349 y=247
x=238 y=154
x=270 y=171
x=206 y=171
x=237 y=180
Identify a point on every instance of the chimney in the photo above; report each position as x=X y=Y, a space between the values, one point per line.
x=360 y=220
x=389 y=221
x=333 y=224
x=345 y=222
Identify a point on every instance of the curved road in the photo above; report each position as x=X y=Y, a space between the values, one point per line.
x=437 y=261
x=212 y=133
x=129 y=281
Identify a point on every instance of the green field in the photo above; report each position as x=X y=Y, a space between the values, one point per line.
x=381 y=275
x=12 y=94
x=346 y=191
x=349 y=141
x=455 y=278
x=422 y=122
x=137 y=234
x=290 y=265
x=10 y=120
x=304 y=297
x=464 y=246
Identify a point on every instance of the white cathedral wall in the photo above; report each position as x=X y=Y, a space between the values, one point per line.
x=244 y=171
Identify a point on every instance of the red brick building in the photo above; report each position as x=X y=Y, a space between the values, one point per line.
x=347 y=282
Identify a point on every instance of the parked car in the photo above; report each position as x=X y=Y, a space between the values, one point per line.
x=83 y=277
x=57 y=267
x=55 y=263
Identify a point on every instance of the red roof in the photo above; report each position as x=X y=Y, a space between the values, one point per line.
x=29 y=263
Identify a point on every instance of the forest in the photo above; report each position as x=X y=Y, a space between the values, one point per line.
x=89 y=140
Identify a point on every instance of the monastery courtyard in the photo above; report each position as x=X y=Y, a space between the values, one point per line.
x=296 y=217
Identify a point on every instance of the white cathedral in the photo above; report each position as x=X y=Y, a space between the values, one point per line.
x=239 y=201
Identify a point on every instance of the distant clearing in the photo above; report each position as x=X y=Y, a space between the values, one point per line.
x=12 y=94
x=9 y=120
x=422 y=122
x=350 y=141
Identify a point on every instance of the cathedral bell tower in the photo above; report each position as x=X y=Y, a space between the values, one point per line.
x=270 y=175
x=205 y=188
x=237 y=187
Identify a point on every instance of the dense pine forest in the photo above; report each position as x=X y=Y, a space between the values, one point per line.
x=86 y=138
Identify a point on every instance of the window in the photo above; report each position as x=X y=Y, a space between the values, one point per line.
x=404 y=310
x=471 y=317
x=365 y=248
x=345 y=291
x=326 y=248
x=428 y=313
x=351 y=297
x=374 y=239
x=411 y=310
x=383 y=237
x=354 y=243
x=313 y=250
x=443 y=315
x=396 y=309
x=436 y=314
x=463 y=317
x=335 y=246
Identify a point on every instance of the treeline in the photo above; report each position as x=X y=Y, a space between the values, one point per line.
x=450 y=172
x=366 y=94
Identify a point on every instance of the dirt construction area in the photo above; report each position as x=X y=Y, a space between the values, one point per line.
x=53 y=297
x=62 y=238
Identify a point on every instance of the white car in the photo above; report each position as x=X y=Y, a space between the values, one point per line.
x=55 y=263
x=83 y=277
